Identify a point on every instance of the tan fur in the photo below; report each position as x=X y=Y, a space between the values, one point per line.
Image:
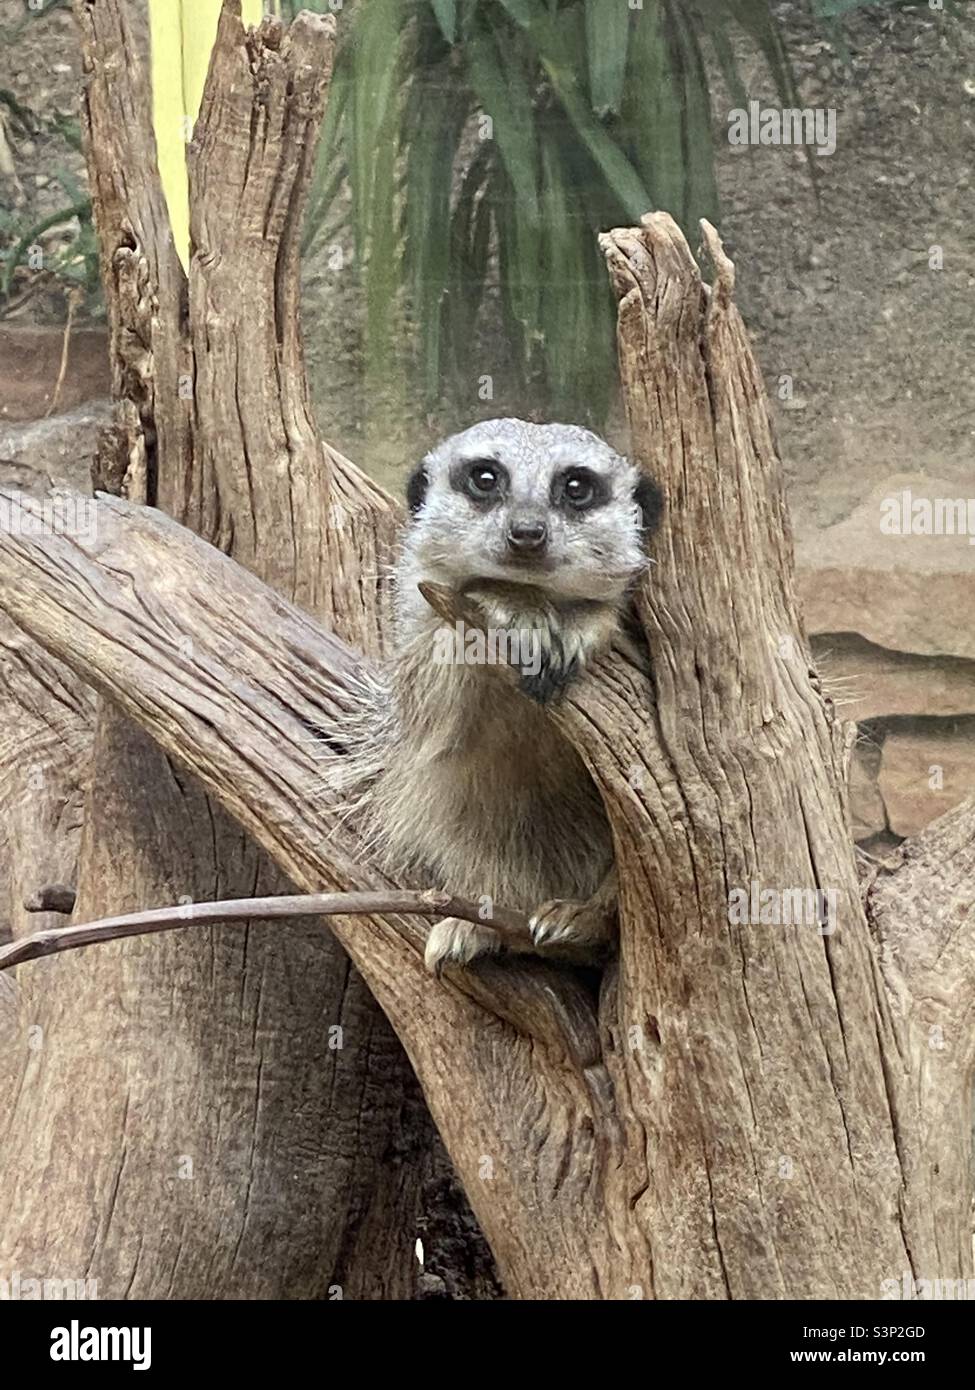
x=483 y=793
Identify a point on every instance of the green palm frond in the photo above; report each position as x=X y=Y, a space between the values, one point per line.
x=488 y=141
x=607 y=42
x=446 y=12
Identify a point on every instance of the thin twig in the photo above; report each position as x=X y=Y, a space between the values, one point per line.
x=511 y=926
x=74 y=299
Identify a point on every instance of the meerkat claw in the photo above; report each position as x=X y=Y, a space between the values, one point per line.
x=555 y=672
x=565 y=925
x=453 y=942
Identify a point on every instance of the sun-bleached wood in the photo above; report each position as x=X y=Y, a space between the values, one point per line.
x=746 y=1110
x=241 y=1086
x=739 y=1115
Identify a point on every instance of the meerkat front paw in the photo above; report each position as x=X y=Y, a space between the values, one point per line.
x=575 y=929
x=552 y=663
x=453 y=942
x=548 y=645
x=563 y=643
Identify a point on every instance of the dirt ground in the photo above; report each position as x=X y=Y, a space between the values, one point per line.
x=838 y=293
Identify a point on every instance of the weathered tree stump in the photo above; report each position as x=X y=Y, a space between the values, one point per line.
x=751 y=1110
x=244 y=1088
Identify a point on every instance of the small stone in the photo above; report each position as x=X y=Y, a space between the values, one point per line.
x=906 y=592
x=432 y=1286
x=924 y=773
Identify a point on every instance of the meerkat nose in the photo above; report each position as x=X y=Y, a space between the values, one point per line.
x=525 y=535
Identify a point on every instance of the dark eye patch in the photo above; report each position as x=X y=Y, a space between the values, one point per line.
x=484 y=481
x=416 y=490
x=649 y=498
x=579 y=490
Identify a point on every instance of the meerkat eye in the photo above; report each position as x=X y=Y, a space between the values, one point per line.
x=483 y=478
x=579 y=489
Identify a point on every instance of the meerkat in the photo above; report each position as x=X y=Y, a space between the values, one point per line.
x=469 y=786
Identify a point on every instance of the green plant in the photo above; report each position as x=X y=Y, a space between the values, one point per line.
x=483 y=133
x=492 y=139
x=74 y=264
x=69 y=264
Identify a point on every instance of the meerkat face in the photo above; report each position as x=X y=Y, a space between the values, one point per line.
x=551 y=506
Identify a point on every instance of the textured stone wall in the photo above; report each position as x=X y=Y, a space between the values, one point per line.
x=893 y=621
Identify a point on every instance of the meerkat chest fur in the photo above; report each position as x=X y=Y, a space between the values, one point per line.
x=482 y=793
x=541 y=528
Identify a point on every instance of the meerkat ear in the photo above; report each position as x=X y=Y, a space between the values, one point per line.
x=649 y=498
x=416 y=489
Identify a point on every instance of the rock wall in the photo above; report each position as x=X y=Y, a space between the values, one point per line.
x=889 y=597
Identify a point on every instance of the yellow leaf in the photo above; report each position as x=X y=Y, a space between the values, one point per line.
x=182 y=34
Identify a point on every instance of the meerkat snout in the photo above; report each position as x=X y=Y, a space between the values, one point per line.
x=526 y=536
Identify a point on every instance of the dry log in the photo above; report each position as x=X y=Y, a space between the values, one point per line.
x=753 y=1107
x=741 y=1114
x=212 y=1092
x=46 y=718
